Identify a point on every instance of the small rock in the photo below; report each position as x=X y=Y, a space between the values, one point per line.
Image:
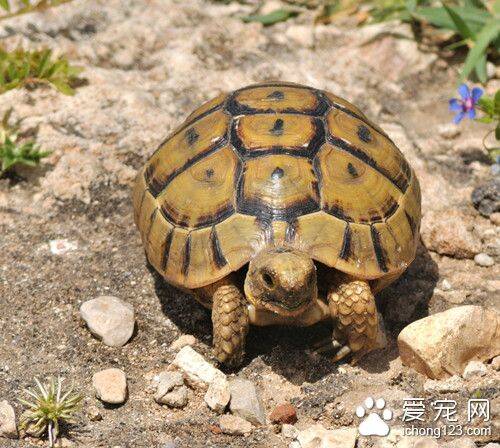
x=94 y=414
x=301 y=35
x=245 y=402
x=495 y=218
x=182 y=341
x=177 y=398
x=197 y=371
x=442 y=344
x=8 y=428
x=60 y=247
x=449 y=131
x=167 y=381
x=318 y=437
x=294 y=444
x=289 y=431
x=234 y=425
x=284 y=413
x=110 y=319
x=486 y=197
x=218 y=395
x=446 y=285
x=110 y=386
x=484 y=260
x=449 y=232
x=495 y=363
x=446 y=386
x=474 y=369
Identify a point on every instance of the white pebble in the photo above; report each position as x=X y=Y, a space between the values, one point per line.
x=110 y=319
x=484 y=260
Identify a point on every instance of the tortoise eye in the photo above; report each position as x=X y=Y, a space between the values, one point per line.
x=268 y=280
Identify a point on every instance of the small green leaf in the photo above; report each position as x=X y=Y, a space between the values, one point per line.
x=460 y=24
x=4 y=4
x=279 y=15
x=486 y=120
x=496 y=101
x=486 y=35
x=480 y=69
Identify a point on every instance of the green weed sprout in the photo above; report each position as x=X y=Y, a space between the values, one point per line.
x=27 y=6
x=48 y=408
x=28 y=68
x=12 y=152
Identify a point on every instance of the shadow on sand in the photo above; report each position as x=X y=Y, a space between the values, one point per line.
x=288 y=351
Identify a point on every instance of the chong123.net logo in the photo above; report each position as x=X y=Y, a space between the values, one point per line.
x=423 y=417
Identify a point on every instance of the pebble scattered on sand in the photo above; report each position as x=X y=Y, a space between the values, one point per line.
x=218 y=395
x=110 y=319
x=245 y=401
x=110 y=386
x=234 y=425
x=484 y=260
x=8 y=426
x=284 y=413
x=182 y=341
x=474 y=369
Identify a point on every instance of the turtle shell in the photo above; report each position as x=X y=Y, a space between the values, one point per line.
x=277 y=164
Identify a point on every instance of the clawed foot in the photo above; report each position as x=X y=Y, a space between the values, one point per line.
x=332 y=345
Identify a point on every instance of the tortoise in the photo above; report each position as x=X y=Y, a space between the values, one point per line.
x=280 y=204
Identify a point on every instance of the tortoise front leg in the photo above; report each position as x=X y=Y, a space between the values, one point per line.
x=230 y=323
x=352 y=307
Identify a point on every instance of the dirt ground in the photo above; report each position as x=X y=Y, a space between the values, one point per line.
x=147 y=66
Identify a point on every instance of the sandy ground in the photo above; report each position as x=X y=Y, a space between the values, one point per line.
x=147 y=65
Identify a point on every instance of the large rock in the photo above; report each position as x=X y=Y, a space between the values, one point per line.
x=197 y=371
x=110 y=319
x=442 y=344
x=110 y=386
x=450 y=232
x=318 y=436
x=8 y=426
x=245 y=401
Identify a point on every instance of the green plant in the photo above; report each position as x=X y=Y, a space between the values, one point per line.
x=278 y=15
x=48 y=408
x=14 y=153
x=27 y=6
x=21 y=68
x=490 y=106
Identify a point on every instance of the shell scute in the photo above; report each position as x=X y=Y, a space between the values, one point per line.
x=277 y=164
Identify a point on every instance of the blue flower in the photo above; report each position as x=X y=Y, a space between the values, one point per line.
x=465 y=106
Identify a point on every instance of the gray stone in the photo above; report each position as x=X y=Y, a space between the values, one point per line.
x=289 y=431
x=197 y=371
x=110 y=319
x=245 y=401
x=448 y=131
x=442 y=344
x=218 y=395
x=167 y=381
x=110 y=386
x=448 y=385
x=484 y=260
x=8 y=426
x=474 y=369
x=318 y=436
x=177 y=398
x=234 y=425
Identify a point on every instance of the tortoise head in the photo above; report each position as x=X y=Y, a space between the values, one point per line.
x=282 y=281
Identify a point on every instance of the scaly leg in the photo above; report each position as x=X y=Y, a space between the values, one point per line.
x=230 y=324
x=352 y=306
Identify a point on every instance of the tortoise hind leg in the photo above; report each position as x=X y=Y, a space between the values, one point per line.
x=230 y=323
x=352 y=307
